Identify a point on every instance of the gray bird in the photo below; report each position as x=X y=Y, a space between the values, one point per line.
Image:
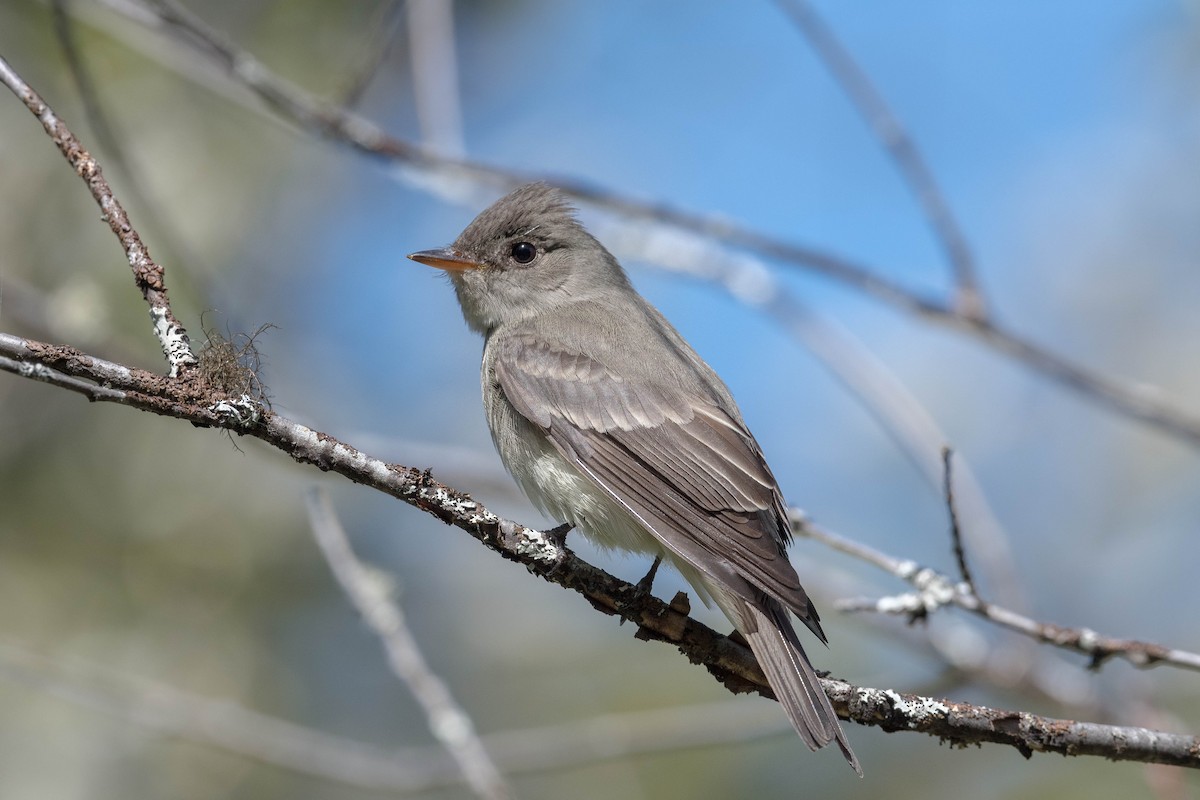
x=610 y=421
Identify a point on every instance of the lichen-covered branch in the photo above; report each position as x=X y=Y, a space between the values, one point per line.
x=962 y=724
x=147 y=274
x=546 y=556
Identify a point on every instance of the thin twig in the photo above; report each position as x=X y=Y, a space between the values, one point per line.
x=960 y=554
x=39 y=372
x=886 y=126
x=448 y=176
x=109 y=142
x=146 y=273
x=370 y=592
x=935 y=590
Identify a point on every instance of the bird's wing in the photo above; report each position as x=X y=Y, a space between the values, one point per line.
x=691 y=473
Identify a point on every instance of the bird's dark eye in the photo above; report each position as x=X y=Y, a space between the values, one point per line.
x=523 y=252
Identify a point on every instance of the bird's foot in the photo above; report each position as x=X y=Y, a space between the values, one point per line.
x=647 y=582
x=641 y=589
x=558 y=534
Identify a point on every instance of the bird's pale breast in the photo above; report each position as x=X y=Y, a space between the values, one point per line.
x=557 y=488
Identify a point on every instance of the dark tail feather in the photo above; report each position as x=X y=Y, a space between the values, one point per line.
x=774 y=642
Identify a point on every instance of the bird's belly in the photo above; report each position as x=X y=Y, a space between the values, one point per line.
x=560 y=490
x=570 y=496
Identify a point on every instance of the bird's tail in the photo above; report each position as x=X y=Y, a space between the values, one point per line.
x=768 y=630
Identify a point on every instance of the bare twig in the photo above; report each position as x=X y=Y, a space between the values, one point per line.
x=64 y=30
x=370 y=592
x=969 y=301
x=960 y=555
x=109 y=142
x=935 y=590
x=727 y=660
x=146 y=274
x=449 y=176
x=286 y=99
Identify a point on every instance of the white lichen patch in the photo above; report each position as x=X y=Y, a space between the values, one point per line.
x=917 y=711
x=461 y=507
x=1088 y=639
x=936 y=589
x=379 y=471
x=34 y=370
x=172 y=338
x=137 y=257
x=531 y=543
x=907 y=603
x=933 y=590
x=240 y=412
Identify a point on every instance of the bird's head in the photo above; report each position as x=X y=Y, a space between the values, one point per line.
x=524 y=255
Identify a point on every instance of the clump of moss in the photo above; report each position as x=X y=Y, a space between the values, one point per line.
x=230 y=364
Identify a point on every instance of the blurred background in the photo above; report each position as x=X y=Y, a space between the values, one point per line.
x=138 y=553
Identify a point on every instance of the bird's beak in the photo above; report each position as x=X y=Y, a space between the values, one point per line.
x=446 y=258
